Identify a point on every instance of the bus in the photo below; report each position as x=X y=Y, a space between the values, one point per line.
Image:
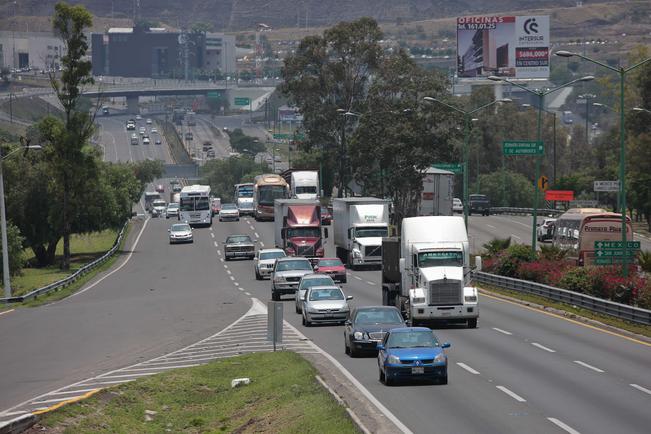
x=266 y=189
x=243 y=196
x=195 y=205
x=577 y=230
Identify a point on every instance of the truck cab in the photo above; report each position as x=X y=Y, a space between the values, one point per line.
x=304 y=184
x=298 y=227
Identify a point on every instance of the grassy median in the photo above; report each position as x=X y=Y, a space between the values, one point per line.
x=283 y=397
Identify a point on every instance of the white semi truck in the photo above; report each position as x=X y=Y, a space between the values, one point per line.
x=426 y=271
x=304 y=184
x=438 y=191
x=360 y=223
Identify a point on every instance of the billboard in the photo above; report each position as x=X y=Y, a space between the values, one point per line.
x=506 y=46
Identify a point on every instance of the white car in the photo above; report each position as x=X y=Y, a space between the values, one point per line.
x=142 y=131
x=308 y=281
x=154 y=130
x=148 y=121
x=457 y=205
x=264 y=261
x=158 y=208
x=145 y=140
x=545 y=230
x=172 y=210
x=138 y=117
x=325 y=304
x=180 y=233
x=229 y=211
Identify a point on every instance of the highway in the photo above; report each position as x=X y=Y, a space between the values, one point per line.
x=115 y=141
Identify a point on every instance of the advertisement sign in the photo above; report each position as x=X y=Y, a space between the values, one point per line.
x=289 y=114
x=559 y=195
x=505 y=46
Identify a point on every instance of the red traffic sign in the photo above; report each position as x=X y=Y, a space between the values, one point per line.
x=560 y=195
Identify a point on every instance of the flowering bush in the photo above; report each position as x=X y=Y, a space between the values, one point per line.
x=511 y=258
x=543 y=271
x=644 y=296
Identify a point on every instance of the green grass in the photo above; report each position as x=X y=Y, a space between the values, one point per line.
x=30 y=108
x=283 y=397
x=541 y=301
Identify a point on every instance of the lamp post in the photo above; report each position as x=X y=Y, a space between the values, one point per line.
x=6 y=278
x=621 y=71
x=540 y=93
x=467 y=119
x=273 y=157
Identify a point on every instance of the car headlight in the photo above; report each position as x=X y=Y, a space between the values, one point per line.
x=357 y=253
x=470 y=298
x=279 y=279
x=440 y=358
x=418 y=300
x=393 y=359
x=358 y=335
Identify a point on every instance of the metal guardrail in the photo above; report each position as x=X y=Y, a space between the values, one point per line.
x=525 y=211
x=73 y=277
x=594 y=304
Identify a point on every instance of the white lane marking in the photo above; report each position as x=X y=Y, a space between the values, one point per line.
x=216 y=245
x=112 y=382
x=118 y=268
x=7 y=311
x=48 y=401
x=248 y=293
x=241 y=289
x=68 y=392
x=502 y=331
x=256 y=234
x=467 y=368
x=370 y=283
x=511 y=394
x=519 y=223
x=562 y=425
x=585 y=365
x=14 y=413
x=640 y=388
x=232 y=278
x=219 y=252
x=252 y=228
x=261 y=243
x=357 y=277
x=227 y=271
x=236 y=284
x=516 y=237
x=491 y=226
x=542 y=347
x=212 y=235
x=221 y=259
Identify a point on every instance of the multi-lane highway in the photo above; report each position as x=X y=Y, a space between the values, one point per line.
x=115 y=141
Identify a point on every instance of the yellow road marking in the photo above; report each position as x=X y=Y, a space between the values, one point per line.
x=67 y=401
x=608 y=332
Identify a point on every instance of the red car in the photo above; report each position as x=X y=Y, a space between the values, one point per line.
x=326 y=216
x=160 y=188
x=333 y=267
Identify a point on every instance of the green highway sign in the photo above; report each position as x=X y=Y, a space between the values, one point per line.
x=614 y=253
x=214 y=94
x=451 y=167
x=285 y=136
x=612 y=260
x=281 y=136
x=299 y=136
x=616 y=245
x=522 y=147
x=242 y=101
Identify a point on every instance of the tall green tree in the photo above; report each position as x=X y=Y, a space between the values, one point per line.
x=222 y=175
x=67 y=141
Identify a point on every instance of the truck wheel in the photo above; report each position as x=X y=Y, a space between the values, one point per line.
x=274 y=296
x=381 y=375
x=472 y=324
x=257 y=275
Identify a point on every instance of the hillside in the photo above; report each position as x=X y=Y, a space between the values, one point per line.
x=235 y=15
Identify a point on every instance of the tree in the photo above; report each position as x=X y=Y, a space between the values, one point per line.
x=15 y=248
x=222 y=175
x=515 y=188
x=244 y=144
x=145 y=172
x=67 y=141
x=5 y=73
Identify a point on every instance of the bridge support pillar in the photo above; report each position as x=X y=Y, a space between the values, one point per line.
x=132 y=105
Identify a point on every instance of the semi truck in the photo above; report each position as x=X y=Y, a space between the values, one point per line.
x=360 y=223
x=297 y=227
x=438 y=191
x=303 y=184
x=426 y=271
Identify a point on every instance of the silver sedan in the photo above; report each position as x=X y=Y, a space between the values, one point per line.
x=325 y=304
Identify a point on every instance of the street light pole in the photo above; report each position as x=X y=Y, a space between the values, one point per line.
x=467 y=118
x=621 y=71
x=540 y=94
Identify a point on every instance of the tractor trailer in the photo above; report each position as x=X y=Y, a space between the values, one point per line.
x=297 y=227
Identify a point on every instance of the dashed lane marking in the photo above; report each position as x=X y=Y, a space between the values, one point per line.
x=516 y=237
x=232 y=278
x=562 y=425
x=212 y=235
x=641 y=389
x=240 y=289
x=467 y=368
x=256 y=234
x=357 y=277
x=370 y=283
x=502 y=331
x=236 y=284
x=585 y=365
x=542 y=347
x=248 y=293
x=511 y=394
x=261 y=243
x=491 y=226
x=227 y=271
x=221 y=259
x=252 y=227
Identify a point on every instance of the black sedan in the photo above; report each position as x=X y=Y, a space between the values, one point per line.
x=367 y=326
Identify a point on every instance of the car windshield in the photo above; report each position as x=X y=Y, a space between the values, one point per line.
x=238 y=239
x=412 y=339
x=440 y=259
x=173 y=206
x=159 y=203
x=293 y=265
x=330 y=263
x=303 y=232
x=371 y=232
x=378 y=316
x=272 y=255
x=306 y=190
x=180 y=227
x=268 y=193
x=326 y=294
x=229 y=207
x=316 y=281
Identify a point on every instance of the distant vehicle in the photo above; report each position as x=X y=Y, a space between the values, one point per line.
x=367 y=327
x=158 y=140
x=325 y=304
x=479 y=203
x=150 y=197
x=333 y=267
x=308 y=281
x=326 y=216
x=154 y=130
x=266 y=189
x=138 y=117
x=457 y=205
x=134 y=139
x=297 y=227
x=172 y=210
x=131 y=125
x=189 y=136
x=545 y=229
x=286 y=274
x=180 y=233
x=244 y=198
x=160 y=188
x=215 y=206
x=436 y=197
x=145 y=140
x=238 y=246
x=142 y=131
x=190 y=118
x=567 y=117
x=304 y=184
x=158 y=208
x=225 y=129
x=148 y=121
x=105 y=111
x=264 y=262
x=206 y=146
x=412 y=352
x=229 y=211
x=210 y=153
x=195 y=205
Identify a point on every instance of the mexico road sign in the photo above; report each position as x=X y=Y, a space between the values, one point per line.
x=452 y=167
x=242 y=101
x=522 y=147
x=606 y=186
x=614 y=253
x=616 y=245
x=611 y=260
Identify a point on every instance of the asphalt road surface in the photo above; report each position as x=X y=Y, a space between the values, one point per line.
x=115 y=141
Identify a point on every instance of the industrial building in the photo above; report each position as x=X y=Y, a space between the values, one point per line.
x=35 y=50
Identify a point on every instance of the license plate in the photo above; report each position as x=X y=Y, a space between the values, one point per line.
x=445 y=313
x=418 y=370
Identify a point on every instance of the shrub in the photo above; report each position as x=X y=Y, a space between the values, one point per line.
x=578 y=279
x=15 y=248
x=644 y=296
x=543 y=271
x=510 y=260
x=644 y=259
x=496 y=245
x=552 y=253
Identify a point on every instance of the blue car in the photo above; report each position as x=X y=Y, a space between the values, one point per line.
x=412 y=352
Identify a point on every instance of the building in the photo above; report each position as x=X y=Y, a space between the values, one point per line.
x=36 y=50
x=158 y=53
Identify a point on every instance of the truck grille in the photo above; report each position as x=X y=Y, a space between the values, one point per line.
x=304 y=251
x=293 y=278
x=373 y=251
x=445 y=293
x=240 y=249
